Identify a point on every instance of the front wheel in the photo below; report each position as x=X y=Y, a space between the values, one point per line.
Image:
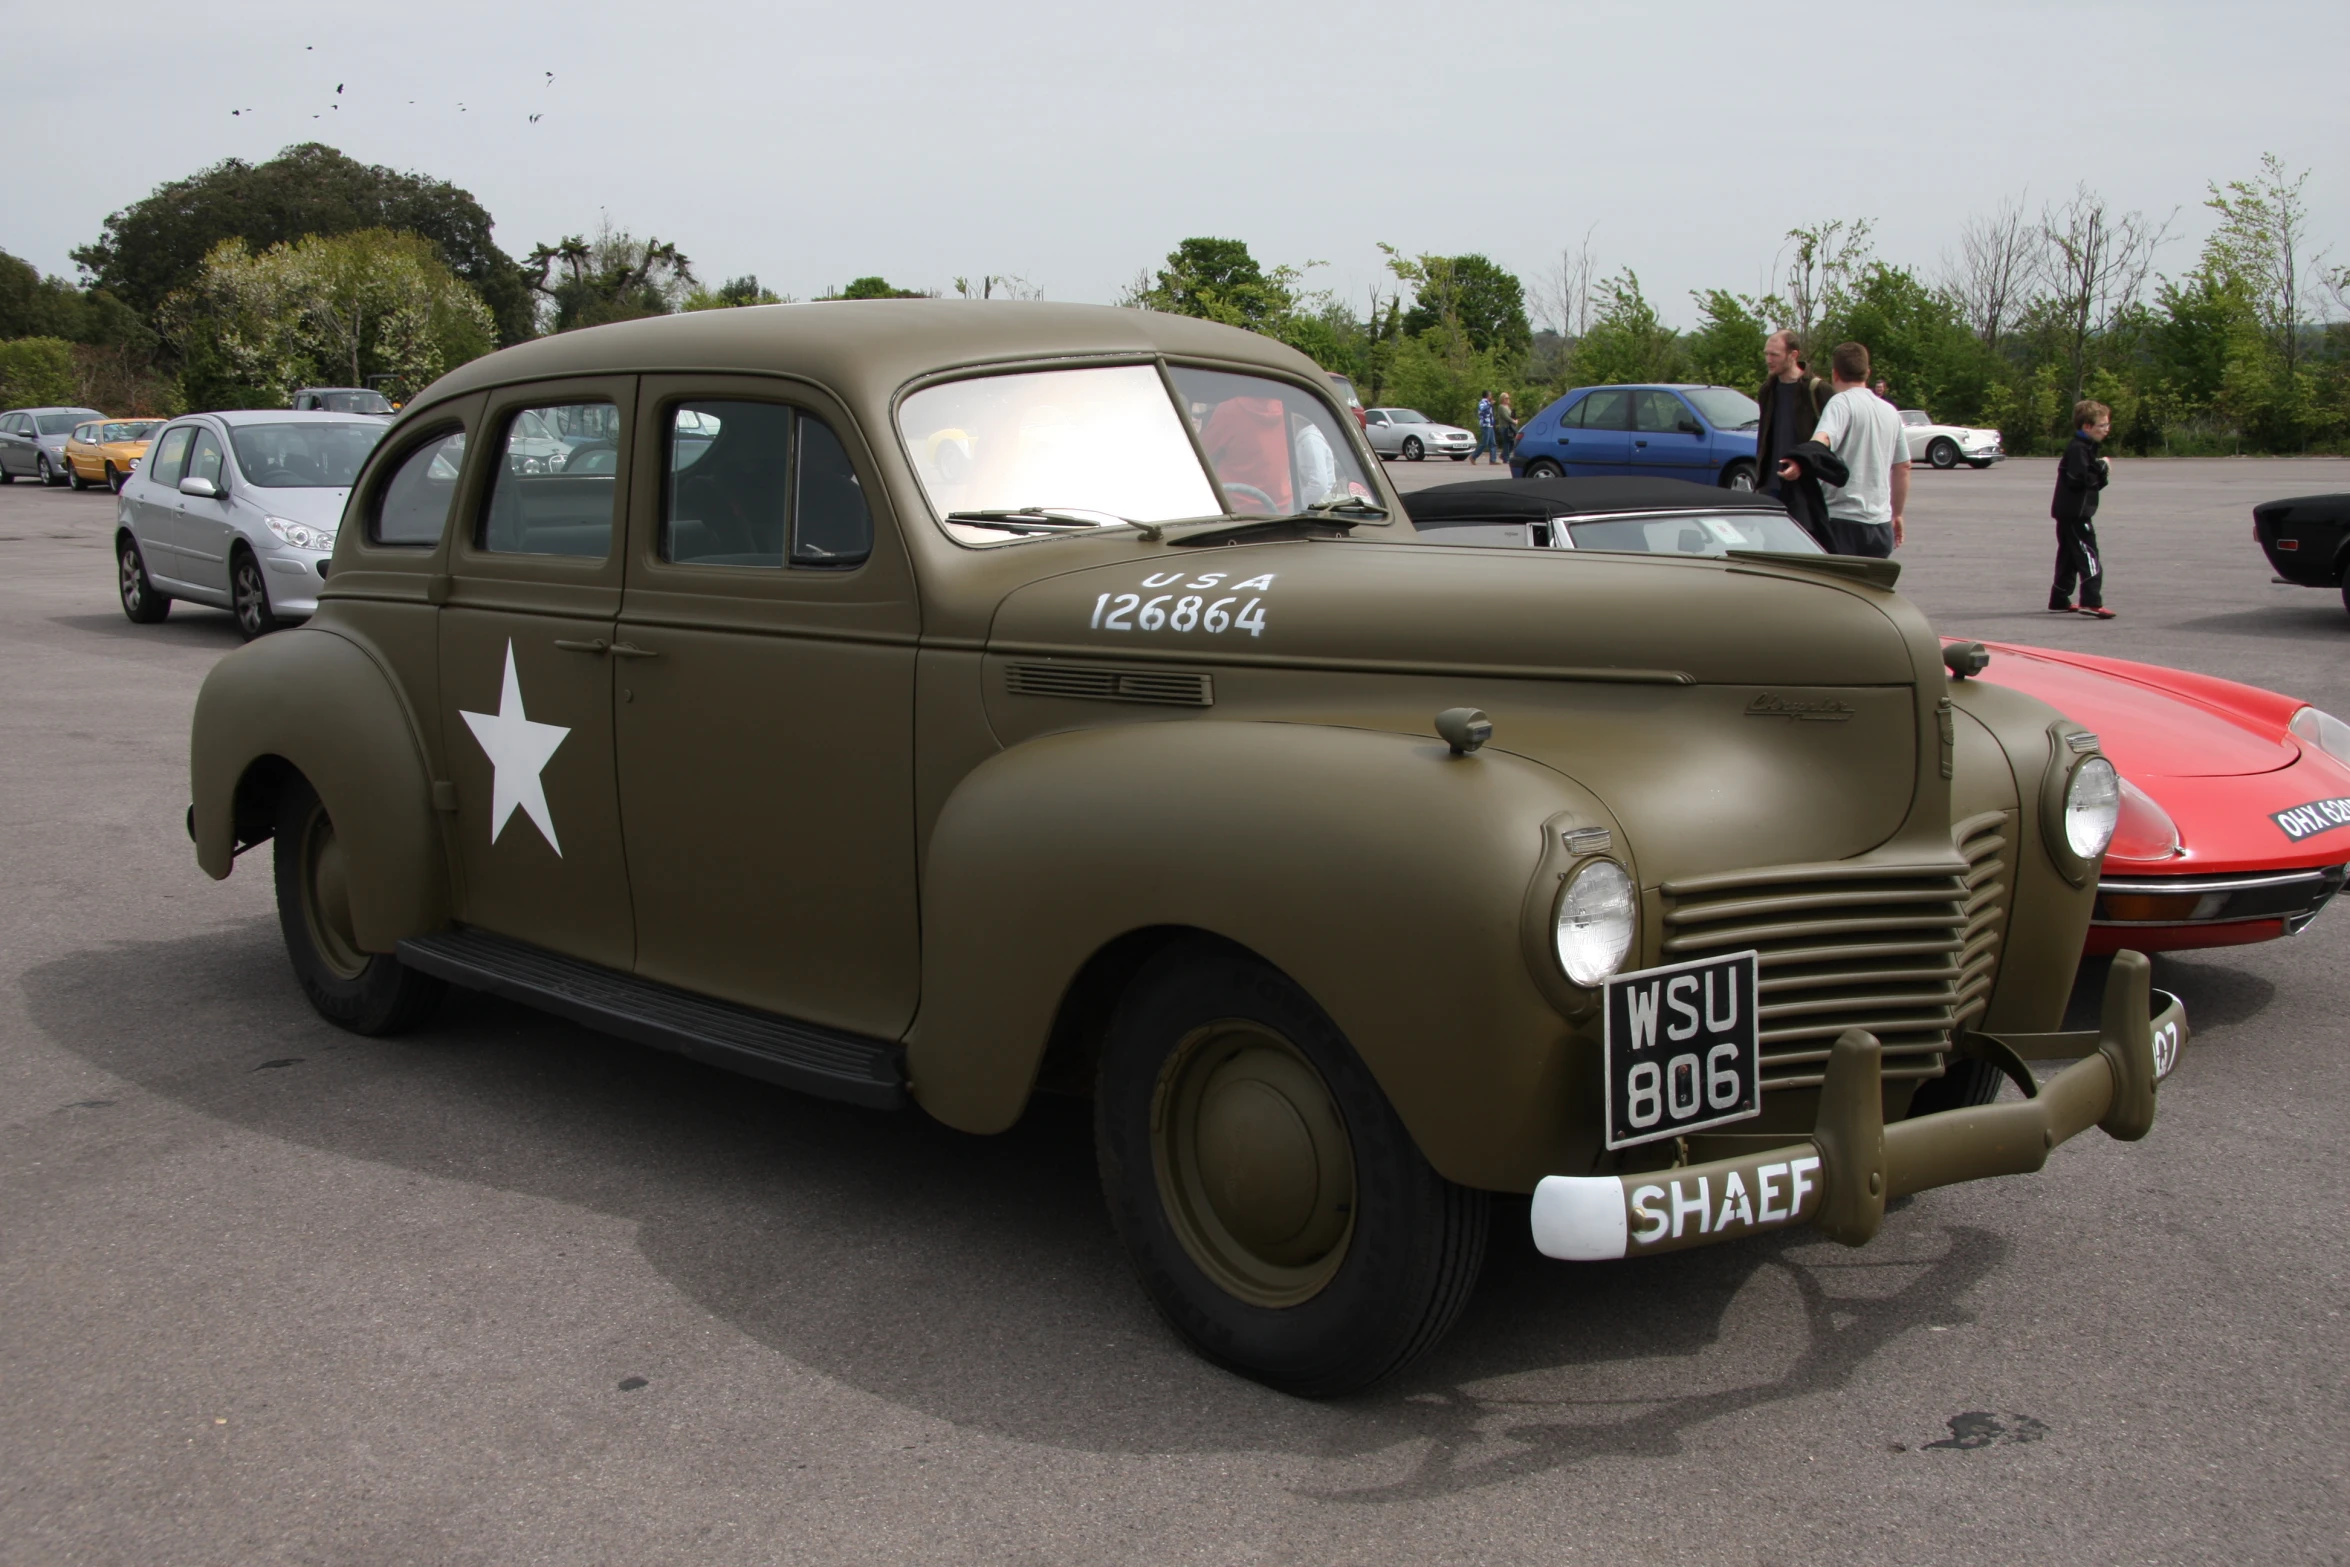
x=1544 y=468
x=1413 y=451
x=1943 y=452
x=1738 y=476
x=365 y=992
x=140 y=601
x=45 y=472
x=114 y=478
x=1964 y=1084
x=1277 y=1211
x=249 y=594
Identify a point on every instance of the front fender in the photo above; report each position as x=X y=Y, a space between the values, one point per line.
x=321 y=704
x=1394 y=881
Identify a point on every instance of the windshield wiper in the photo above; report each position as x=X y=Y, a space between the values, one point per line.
x=1033 y=519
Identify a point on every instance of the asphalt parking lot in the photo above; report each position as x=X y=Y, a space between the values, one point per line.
x=508 y=1292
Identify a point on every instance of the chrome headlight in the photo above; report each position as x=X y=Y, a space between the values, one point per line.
x=2092 y=805
x=301 y=535
x=2323 y=730
x=1598 y=913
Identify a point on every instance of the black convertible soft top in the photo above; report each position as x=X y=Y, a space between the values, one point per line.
x=1509 y=500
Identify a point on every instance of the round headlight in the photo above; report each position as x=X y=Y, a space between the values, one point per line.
x=2092 y=805
x=2323 y=730
x=1597 y=915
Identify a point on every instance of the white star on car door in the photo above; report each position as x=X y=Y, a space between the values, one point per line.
x=518 y=750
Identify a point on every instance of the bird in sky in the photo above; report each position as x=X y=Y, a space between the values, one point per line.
x=534 y=119
x=338 y=89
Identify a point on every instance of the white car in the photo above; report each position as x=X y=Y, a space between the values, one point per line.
x=1412 y=435
x=1948 y=445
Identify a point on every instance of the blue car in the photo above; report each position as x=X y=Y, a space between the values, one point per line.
x=1701 y=433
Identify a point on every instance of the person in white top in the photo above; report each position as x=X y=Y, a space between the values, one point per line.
x=1864 y=430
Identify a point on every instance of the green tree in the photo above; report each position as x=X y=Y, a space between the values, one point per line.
x=35 y=371
x=878 y=288
x=1918 y=340
x=336 y=309
x=1727 y=347
x=155 y=247
x=1486 y=301
x=732 y=294
x=1628 y=340
x=613 y=277
x=1218 y=280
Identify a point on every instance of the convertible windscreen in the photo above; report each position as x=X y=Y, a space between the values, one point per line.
x=1693 y=533
x=303 y=456
x=1108 y=445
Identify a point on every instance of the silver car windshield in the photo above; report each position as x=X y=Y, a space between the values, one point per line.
x=1692 y=533
x=303 y=456
x=59 y=424
x=1099 y=446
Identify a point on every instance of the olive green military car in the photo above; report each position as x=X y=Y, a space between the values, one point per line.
x=936 y=703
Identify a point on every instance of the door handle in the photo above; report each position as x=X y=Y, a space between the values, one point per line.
x=628 y=650
x=1639 y=443
x=597 y=646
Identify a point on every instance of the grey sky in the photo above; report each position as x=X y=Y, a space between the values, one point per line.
x=1074 y=144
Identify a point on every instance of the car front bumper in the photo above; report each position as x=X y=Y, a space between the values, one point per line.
x=2217 y=909
x=1840 y=1180
x=294 y=577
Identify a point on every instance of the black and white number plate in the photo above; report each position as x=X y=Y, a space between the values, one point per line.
x=1683 y=1049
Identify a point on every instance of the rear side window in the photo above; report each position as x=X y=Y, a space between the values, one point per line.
x=414 y=507
x=171 y=454
x=538 y=504
x=1605 y=410
x=761 y=485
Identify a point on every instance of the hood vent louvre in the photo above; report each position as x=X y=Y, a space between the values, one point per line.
x=1094 y=683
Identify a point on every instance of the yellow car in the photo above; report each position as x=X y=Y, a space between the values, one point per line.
x=105 y=451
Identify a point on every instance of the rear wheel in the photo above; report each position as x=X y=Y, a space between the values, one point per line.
x=1738 y=476
x=1278 y=1213
x=73 y=477
x=1942 y=452
x=249 y=595
x=1544 y=468
x=140 y=601
x=365 y=992
x=1413 y=451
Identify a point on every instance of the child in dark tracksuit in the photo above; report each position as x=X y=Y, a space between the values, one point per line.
x=2080 y=474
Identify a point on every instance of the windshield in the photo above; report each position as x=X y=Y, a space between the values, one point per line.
x=60 y=424
x=303 y=456
x=1725 y=409
x=1407 y=416
x=1693 y=533
x=354 y=403
x=1109 y=441
x=135 y=430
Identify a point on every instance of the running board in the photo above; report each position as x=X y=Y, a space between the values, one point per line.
x=774 y=1049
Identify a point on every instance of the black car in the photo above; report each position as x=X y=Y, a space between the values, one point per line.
x=2307 y=540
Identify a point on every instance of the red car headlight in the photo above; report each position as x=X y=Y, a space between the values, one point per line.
x=2143 y=830
x=2323 y=730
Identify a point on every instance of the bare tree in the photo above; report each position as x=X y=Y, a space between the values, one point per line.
x=2263 y=239
x=997 y=285
x=1828 y=257
x=2001 y=255
x=2098 y=264
x=1564 y=292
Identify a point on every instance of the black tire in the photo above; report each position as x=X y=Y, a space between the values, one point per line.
x=2346 y=594
x=1413 y=451
x=140 y=601
x=1544 y=468
x=248 y=591
x=116 y=478
x=74 y=479
x=1458 y=456
x=1964 y=1083
x=366 y=992
x=1738 y=476
x=5 y=476
x=46 y=474
x=1978 y=463
x=1942 y=452
x=1277 y=1212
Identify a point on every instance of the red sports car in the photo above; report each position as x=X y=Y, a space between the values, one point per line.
x=2235 y=813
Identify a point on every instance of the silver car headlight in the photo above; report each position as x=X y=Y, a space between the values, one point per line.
x=301 y=535
x=2092 y=805
x=2323 y=730
x=1598 y=914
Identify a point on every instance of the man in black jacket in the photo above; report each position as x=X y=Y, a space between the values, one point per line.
x=1791 y=401
x=2080 y=474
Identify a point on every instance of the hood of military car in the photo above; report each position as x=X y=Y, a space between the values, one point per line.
x=1413 y=607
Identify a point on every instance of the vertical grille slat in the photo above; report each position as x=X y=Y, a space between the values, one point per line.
x=1907 y=952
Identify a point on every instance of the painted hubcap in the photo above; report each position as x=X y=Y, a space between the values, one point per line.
x=1255 y=1167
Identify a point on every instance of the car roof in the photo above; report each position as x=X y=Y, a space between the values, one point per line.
x=235 y=417
x=1483 y=500
x=54 y=408
x=867 y=349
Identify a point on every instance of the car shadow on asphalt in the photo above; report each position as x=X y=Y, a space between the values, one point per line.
x=977 y=1280
x=188 y=625
x=2302 y=617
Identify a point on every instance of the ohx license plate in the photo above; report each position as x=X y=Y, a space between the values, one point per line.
x=1683 y=1049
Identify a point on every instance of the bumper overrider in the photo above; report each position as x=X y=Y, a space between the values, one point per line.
x=1840 y=1180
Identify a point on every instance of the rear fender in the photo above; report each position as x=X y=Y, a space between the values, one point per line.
x=1401 y=886
x=315 y=702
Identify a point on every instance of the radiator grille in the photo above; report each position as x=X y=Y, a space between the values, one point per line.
x=1904 y=951
x=1094 y=683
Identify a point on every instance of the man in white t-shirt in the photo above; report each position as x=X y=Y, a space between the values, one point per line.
x=1864 y=430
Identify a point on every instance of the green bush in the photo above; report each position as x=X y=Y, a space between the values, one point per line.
x=36 y=371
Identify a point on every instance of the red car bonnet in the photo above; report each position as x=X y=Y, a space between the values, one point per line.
x=2153 y=722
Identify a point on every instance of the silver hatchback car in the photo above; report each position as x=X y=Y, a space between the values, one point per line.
x=239 y=511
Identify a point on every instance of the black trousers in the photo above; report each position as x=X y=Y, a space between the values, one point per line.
x=2077 y=555
x=1845 y=537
